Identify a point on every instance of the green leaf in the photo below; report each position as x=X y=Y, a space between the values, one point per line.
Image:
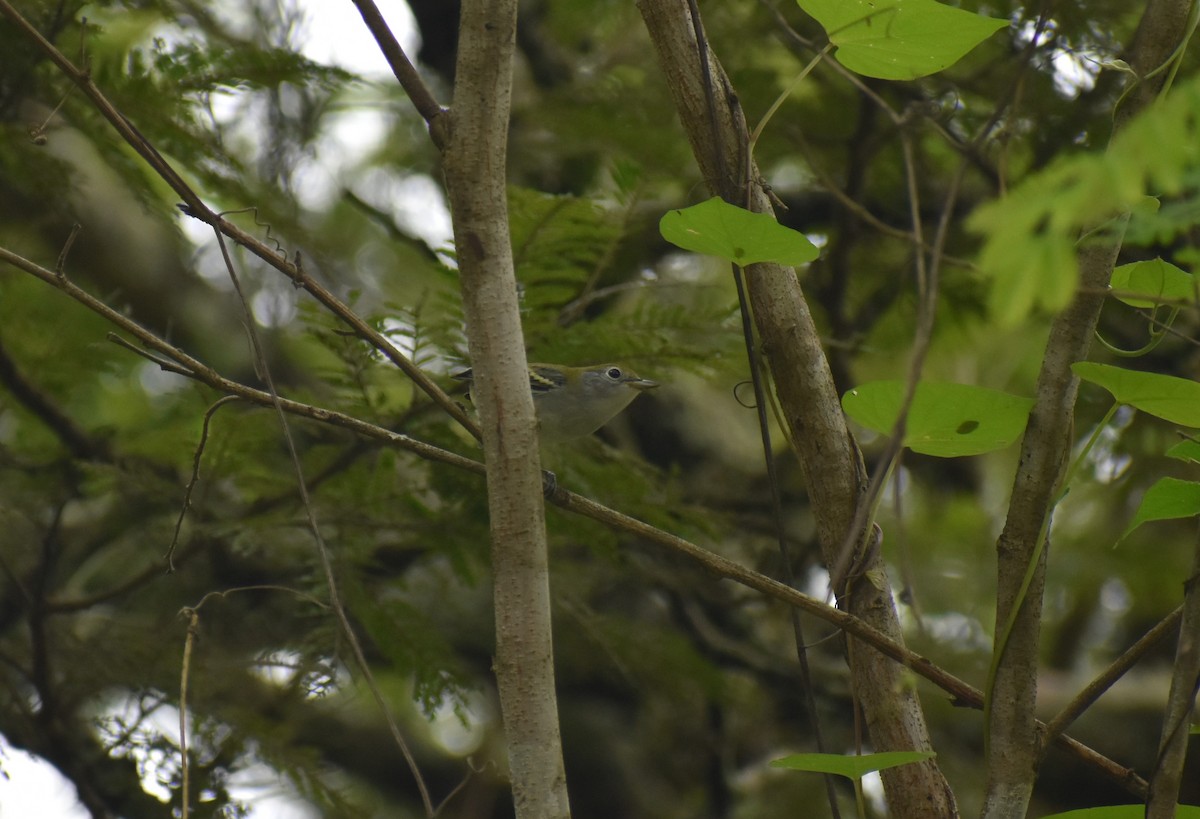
x=1185 y=451
x=899 y=39
x=1048 y=274
x=1167 y=499
x=1155 y=279
x=1032 y=230
x=853 y=767
x=717 y=228
x=945 y=420
x=1123 y=812
x=1164 y=396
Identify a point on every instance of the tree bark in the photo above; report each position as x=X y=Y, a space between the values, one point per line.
x=830 y=459
x=1185 y=680
x=1015 y=748
x=475 y=162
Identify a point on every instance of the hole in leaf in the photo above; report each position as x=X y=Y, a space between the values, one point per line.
x=967 y=427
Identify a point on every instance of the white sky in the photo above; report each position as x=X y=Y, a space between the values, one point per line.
x=335 y=35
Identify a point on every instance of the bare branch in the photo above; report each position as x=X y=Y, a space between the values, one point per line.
x=198 y=370
x=1104 y=681
x=410 y=80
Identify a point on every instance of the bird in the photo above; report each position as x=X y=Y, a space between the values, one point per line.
x=573 y=402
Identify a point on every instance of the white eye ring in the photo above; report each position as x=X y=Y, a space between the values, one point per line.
x=614 y=373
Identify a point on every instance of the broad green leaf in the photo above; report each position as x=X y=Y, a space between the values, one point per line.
x=1164 y=396
x=1123 y=812
x=1157 y=280
x=899 y=39
x=717 y=228
x=853 y=767
x=1185 y=451
x=1167 y=499
x=946 y=420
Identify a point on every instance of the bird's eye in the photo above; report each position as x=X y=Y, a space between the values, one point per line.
x=613 y=372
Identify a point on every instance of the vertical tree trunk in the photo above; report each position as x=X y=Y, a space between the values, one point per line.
x=475 y=162
x=1014 y=749
x=829 y=457
x=1181 y=702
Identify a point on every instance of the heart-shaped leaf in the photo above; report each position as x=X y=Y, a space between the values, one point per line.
x=1165 y=396
x=1185 y=451
x=854 y=767
x=899 y=39
x=946 y=420
x=1167 y=499
x=717 y=228
x=1123 y=812
x=1157 y=280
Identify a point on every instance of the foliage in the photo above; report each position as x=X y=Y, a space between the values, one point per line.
x=1121 y=812
x=902 y=39
x=945 y=420
x=1039 y=219
x=736 y=235
x=854 y=767
x=675 y=688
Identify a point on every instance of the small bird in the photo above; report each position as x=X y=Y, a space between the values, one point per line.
x=572 y=402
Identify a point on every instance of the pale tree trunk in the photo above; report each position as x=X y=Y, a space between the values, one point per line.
x=1185 y=678
x=475 y=164
x=830 y=459
x=1015 y=749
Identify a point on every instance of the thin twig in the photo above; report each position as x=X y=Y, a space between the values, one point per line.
x=193 y=368
x=185 y=673
x=928 y=277
x=410 y=80
x=1105 y=679
x=187 y=494
x=863 y=212
x=164 y=364
x=193 y=632
x=61 y=265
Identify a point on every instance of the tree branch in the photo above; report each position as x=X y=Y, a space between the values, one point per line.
x=1013 y=748
x=829 y=457
x=1181 y=702
x=1105 y=680
x=476 y=181
x=199 y=371
x=408 y=76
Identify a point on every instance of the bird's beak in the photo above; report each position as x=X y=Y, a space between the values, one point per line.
x=642 y=384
